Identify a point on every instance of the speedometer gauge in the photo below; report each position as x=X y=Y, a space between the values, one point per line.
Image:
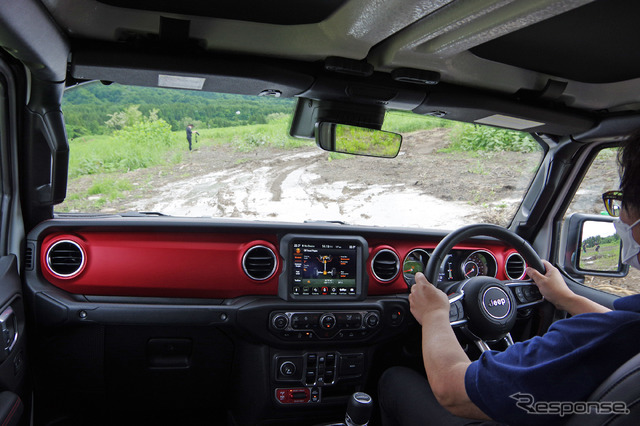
x=416 y=261
x=479 y=263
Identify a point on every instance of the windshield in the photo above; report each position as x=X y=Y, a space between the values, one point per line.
x=198 y=154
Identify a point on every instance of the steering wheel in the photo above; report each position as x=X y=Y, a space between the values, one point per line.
x=485 y=308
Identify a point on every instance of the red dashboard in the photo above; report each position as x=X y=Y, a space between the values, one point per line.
x=197 y=264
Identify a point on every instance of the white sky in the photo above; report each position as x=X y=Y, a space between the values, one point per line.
x=591 y=228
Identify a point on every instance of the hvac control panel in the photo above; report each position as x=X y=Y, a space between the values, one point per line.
x=321 y=325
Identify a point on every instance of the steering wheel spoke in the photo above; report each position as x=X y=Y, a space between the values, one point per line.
x=508 y=340
x=526 y=293
x=483 y=345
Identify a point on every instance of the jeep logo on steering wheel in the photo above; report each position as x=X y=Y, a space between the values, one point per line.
x=496 y=303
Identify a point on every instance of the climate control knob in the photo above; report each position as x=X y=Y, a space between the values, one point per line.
x=280 y=321
x=327 y=321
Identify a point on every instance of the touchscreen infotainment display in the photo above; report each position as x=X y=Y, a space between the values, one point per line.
x=323 y=267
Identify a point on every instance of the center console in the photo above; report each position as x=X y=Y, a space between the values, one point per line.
x=323 y=327
x=309 y=377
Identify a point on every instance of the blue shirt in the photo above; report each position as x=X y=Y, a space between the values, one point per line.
x=565 y=364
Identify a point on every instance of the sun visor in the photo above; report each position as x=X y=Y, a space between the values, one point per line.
x=199 y=72
x=473 y=106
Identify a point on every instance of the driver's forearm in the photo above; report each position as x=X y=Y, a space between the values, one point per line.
x=446 y=364
x=577 y=304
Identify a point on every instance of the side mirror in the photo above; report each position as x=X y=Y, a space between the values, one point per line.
x=357 y=140
x=592 y=246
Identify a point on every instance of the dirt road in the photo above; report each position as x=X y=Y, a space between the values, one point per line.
x=422 y=187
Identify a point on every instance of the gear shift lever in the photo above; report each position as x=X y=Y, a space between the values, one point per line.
x=359 y=409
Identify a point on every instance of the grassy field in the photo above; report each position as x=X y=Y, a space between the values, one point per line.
x=102 y=161
x=602 y=258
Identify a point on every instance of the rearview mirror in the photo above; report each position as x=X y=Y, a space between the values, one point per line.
x=357 y=140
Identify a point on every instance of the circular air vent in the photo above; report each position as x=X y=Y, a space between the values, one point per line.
x=515 y=266
x=65 y=258
x=385 y=265
x=259 y=263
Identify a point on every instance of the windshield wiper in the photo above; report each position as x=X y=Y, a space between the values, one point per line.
x=336 y=222
x=143 y=214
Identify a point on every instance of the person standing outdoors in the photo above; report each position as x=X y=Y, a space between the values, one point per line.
x=189 y=134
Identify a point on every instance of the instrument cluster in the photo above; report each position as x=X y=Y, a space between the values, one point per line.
x=458 y=265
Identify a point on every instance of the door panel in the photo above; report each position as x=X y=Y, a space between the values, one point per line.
x=12 y=342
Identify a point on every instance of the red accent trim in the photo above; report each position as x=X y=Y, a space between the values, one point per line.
x=163 y=265
x=200 y=265
x=286 y=396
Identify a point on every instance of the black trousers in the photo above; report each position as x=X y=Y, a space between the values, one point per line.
x=406 y=399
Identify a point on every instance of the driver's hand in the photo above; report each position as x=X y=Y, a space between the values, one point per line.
x=552 y=285
x=425 y=299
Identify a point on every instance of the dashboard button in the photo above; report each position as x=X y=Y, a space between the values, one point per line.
x=311 y=360
x=351 y=365
x=531 y=294
x=453 y=312
x=311 y=377
x=288 y=368
x=396 y=317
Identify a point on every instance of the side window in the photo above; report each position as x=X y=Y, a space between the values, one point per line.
x=600 y=247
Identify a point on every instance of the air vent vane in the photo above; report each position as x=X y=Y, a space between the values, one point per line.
x=259 y=263
x=385 y=265
x=515 y=266
x=28 y=258
x=65 y=258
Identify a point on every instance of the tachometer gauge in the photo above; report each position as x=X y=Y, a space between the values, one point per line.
x=479 y=263
x=415 y=262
